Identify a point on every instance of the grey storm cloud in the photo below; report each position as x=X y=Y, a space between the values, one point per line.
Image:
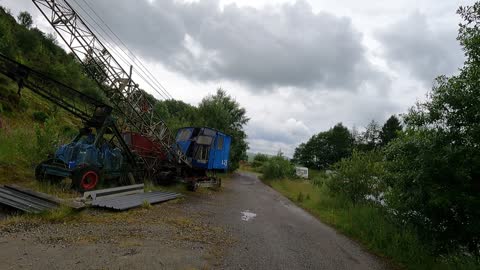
x=285 y=45
x=425 y=51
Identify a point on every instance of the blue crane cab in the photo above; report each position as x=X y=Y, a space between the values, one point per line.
x=205 y=148
x=208 y=151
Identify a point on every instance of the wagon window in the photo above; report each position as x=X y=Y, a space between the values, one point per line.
x=184 y=135
x=204 y=140
x=220 y=143
x=209 y=132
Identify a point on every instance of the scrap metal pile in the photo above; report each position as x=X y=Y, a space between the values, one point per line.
x=121 y=199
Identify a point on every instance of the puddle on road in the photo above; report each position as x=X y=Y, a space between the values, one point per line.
x=247 y=215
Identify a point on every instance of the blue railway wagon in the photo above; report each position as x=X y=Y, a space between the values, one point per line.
x=206 y=148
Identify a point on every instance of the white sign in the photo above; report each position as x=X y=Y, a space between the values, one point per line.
x=301 y=172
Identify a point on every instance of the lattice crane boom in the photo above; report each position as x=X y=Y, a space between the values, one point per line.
x=125 y=95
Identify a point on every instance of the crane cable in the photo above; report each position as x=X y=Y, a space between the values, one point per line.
x=114 y=48
x=145 y=76
x=126 y=47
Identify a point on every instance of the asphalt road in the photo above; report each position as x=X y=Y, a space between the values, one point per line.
x=273 y=233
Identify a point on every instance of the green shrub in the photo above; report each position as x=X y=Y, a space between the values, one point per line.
x=434 y=186
x=300 y=197
x=277 y=168
x=48 y=138
x=434 y=167
x=258 y=160
x=40 y=117
x=319 y=178
x=68 y=132
x=6 y=108
x=22 y=105
x=358 y=176
x=256 y=164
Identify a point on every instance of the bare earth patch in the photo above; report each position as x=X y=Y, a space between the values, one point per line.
x=166 y=236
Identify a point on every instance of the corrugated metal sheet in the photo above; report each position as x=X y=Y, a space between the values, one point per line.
x=113 y=192
x=25 y=200
x=134 y=200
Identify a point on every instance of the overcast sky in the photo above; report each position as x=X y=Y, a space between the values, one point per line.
x=298 y=67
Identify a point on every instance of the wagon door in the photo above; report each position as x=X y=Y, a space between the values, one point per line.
x=222 y=147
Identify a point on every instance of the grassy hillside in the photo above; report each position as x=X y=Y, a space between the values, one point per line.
x=31 y=127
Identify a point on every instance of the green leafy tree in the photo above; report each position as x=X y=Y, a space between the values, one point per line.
x=277 y=167
x=390 y=130
x=371 y=136
x=298 y=154
x=259 y=160
x=177 y=114
x=222 y=112
x=260 y=157
x=25 y=19
x=325 y=148
x=359 y=176
x=369 y=139
x=434 y=167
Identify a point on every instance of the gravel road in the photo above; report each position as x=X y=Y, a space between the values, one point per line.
x=246 y=225
x=273 y=233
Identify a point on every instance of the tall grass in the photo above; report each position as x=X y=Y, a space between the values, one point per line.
x=29 y=143
x=369 y=225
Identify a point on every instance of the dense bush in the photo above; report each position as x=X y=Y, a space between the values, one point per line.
x=277 y=168
x=40 y=117
x=434 y=168
x=359 y=177
x=48 y=138
x=259 y=160
x=26 y=146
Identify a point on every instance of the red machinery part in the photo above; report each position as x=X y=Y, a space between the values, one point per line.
x=143 y=146
x=89 y=180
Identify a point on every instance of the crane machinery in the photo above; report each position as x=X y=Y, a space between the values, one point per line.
x=195 y=154
x=97 y=152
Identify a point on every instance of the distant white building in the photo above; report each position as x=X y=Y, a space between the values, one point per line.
x=301 y=172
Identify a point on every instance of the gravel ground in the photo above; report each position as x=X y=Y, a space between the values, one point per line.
x=166 y=236
x=247 y=225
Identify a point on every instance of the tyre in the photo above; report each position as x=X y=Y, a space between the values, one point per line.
x=42 y=177
x=40 y=173
x=85 y=179
x=192 y=186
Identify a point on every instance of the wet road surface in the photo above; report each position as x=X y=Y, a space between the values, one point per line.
x=273 y=233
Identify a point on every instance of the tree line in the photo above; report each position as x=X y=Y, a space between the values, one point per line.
x=22 y=41
x=328 y=147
